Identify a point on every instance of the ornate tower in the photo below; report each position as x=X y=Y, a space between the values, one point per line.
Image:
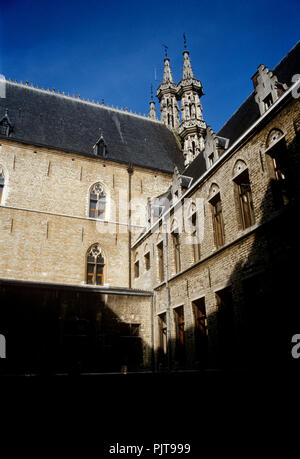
x=166 y=94
x=192 y=129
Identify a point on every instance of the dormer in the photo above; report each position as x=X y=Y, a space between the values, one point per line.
x=267 y=88
x=214 y=147
x=5 y=125
x=100 y=148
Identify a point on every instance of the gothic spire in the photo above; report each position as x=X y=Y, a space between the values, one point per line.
x=167 y=78
x=166 y=93
x=152 y=110
x=187 y=66
x=192 y=129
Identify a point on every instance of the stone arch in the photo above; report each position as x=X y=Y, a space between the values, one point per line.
x=214 y=189
x=273 y=136
x=239 y=166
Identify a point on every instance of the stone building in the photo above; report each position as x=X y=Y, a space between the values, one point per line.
x=132 y=242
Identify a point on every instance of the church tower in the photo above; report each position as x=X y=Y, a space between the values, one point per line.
x=166 y=94
x=192 y=129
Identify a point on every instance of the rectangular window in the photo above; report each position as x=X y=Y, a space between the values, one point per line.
x=179 y=330
x=99 y=274
x=268 y=102
x=211 y=159
x=201 y=342
x=245 y=199
x=93 y=205
x=97 y=206
x=225 y=325
x=195 y=241
x=136 y=269
x=90 y=273
x=176 y=247
x=147 y=261
x=160 y=254
x=218 y=223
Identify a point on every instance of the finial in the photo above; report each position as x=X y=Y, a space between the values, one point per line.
x=151 y=89
x=184 y=41
x=166 y=50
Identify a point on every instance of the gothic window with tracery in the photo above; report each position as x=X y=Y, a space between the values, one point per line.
x=97 y=202
x=95 y=266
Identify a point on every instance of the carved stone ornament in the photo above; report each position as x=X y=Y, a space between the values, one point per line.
x=97 y=189
x=273 y=136
x=95 y=252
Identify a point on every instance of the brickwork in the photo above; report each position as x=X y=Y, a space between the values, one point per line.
x=45 y=209
x=244 y=252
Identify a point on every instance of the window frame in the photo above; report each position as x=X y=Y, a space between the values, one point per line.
x=147 y=261
x=246 y=214
x=160 y=259
x=176 y=250
x=98 y=197
x=278 y=166
x=196 y=245
x=218 y=221
x=94 y=275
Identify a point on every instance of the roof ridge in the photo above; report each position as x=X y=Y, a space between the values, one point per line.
x=251 y=94
x=285 y=57
x=78 y=99
x=234 y=113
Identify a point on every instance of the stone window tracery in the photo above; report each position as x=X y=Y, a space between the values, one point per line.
x=97 y=202
x=95 y=265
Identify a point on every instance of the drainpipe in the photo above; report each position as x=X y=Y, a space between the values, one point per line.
x=165 y=237
x=130 y=172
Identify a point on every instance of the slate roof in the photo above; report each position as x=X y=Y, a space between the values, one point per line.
x=65 y=123
x=248 y=112
x=196 y=168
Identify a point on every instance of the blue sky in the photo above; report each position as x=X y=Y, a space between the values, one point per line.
x=112 y=50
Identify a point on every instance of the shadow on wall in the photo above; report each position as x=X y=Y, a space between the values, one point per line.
x=258 y=312
x=58 y=331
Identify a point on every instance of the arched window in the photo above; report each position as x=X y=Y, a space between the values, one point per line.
x=97 y=202
x=277 y=160
x=95 y=266
x=1 y=184
x=243 y=195
x=217 y=215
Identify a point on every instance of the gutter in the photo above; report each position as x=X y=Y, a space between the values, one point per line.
x=83 y=288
